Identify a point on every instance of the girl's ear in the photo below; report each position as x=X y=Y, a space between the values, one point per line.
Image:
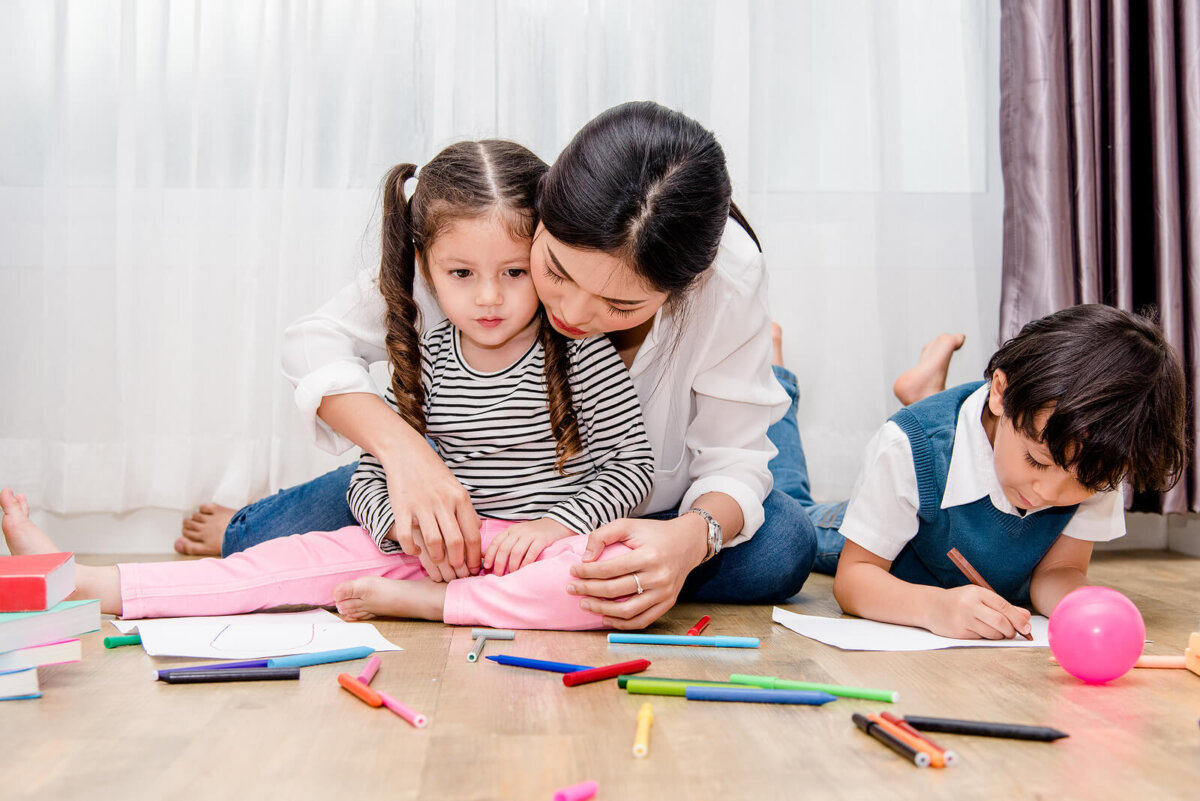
x=996 y=393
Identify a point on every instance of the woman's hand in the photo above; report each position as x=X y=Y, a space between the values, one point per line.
x=435 y=521
x=664 y=552
x=521 y=543
x=971 y=612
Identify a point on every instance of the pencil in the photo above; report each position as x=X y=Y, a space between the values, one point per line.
x=973 y=576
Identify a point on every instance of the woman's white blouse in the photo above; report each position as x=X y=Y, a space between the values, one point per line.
x=703 y=376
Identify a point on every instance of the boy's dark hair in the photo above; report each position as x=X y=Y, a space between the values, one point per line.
x=1115 y=391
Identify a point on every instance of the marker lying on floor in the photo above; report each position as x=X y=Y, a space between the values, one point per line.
x=369 y=671
x=756 y=695
x=481 y=636
x=673 y=687
x=701 y=624
x=622 y=681
x=124 y=639
x=576 y=792
x=772 y=683
x=984 y=728
x=411 y=715
x=905 y=750
x=537 y=664
x=948 y=757
x=937 y=758
x=641 y=738
x=360 y=690
x=320 y=657
x=250 y=663
x=605 y=672
x=229 y=674
x=683 y=639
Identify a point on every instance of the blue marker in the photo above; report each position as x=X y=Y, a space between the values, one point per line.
x=684 y=639
x=537 y=664
x=756 y=695
x=321 y=657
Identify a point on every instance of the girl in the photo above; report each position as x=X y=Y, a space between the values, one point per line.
x=541 y=429
x=638 y=240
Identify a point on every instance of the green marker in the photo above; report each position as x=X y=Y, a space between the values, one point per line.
x=677 y=687
x=124 y=639
x=772 y=683
x=625 y=677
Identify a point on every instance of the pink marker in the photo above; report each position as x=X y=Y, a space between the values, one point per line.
x=370 y=670
x=411 y=715
x=576 y=792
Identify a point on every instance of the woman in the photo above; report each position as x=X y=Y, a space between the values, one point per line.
x=637 y=240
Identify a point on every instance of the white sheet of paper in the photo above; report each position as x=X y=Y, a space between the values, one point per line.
x=869 y=635
x=257 y=636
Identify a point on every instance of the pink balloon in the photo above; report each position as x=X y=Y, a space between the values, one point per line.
x=1096 y=634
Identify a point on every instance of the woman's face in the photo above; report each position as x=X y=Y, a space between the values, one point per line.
x=587 y=292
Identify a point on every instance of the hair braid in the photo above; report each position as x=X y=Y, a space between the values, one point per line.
x=557 y=371
x=397 y=267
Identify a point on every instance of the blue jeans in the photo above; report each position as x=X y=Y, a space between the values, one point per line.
x=769 y=568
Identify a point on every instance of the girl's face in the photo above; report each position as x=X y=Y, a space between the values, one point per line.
x=587 y=292
x=480 y=275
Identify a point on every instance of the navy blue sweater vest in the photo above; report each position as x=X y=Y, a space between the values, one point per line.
x=1004 y=548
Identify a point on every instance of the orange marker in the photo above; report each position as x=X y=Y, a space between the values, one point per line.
x=701 y=624
x=937 y=758
x=949 y=756
x=356 y=687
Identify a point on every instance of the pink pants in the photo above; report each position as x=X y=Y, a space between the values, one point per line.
x=304 y=569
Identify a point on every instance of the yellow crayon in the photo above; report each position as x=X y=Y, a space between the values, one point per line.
x=641 y=740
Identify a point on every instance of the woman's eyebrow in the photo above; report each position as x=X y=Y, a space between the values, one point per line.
x=567 y=275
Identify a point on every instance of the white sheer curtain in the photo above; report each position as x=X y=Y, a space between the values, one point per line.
x=179 y=179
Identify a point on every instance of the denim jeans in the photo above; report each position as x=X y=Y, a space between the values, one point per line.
x=768 y=568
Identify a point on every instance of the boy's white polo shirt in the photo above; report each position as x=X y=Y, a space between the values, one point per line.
x=882 y=514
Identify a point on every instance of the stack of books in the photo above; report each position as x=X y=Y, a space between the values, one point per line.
x=37 y=627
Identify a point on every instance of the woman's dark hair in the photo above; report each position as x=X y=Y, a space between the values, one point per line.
x=1115 y=391
x=467 y=180
x=647 y=185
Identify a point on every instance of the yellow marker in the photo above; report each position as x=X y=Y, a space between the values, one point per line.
x=641 y=740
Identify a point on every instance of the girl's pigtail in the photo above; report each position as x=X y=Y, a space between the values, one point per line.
x=397 y=268
x=557 y=371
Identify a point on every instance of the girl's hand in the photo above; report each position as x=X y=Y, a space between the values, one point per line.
x=434 y=518
x=664 y=552
x=970 y=612
x=521 y=543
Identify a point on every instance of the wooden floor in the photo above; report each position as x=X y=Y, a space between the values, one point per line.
x=104 y=729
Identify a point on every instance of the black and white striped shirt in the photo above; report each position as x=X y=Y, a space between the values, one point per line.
x=493 y=432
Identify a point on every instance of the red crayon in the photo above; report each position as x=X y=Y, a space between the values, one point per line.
x=604 y=672
x=701 y=624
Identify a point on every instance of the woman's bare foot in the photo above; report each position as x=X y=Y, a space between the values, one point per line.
x=24 y=537
x=928 y=377
x=776 y=344
x=374 y=596
x=203 y=533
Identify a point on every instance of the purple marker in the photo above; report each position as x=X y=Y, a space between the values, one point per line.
x=253 y=663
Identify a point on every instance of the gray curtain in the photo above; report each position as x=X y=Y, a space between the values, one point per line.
x=1100 y=147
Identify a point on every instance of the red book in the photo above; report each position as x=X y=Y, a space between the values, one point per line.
x=35 y=582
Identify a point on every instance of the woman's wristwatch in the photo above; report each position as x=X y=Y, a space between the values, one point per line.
x=714 y=533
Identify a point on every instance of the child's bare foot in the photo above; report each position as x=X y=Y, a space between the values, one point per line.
x=776 y=344
x=22 y=536
x=203 y=533
x=374 y=596
x=928 y=377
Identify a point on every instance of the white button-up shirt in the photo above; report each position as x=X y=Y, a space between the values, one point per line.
x=703 y=376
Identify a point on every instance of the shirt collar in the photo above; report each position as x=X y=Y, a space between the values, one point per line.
x=972 y=473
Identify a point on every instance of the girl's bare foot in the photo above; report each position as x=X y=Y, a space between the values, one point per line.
x=204 y=532
x=928 y=377
x=776 y=344
x=374 y=596
x=23 y=537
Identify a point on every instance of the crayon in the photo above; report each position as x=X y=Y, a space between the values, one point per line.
x=683 y=639
x=701 y=624
x=605 y=672
x=368 y=672
x=411 y=715
x=973 y=576
x=903 y=749
x=772 y=683
x=320 y=657
x=230 y=674
x=982 y=728
x=124 y=639
x=537 y=664
x=641 y=738
x=948 y=756
x=914 y=741
x=576 y=792
x=251 y=663
x=756 y=695
x=675 y=687
x=493 y=634
x=622 y=680
x=357 y=688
